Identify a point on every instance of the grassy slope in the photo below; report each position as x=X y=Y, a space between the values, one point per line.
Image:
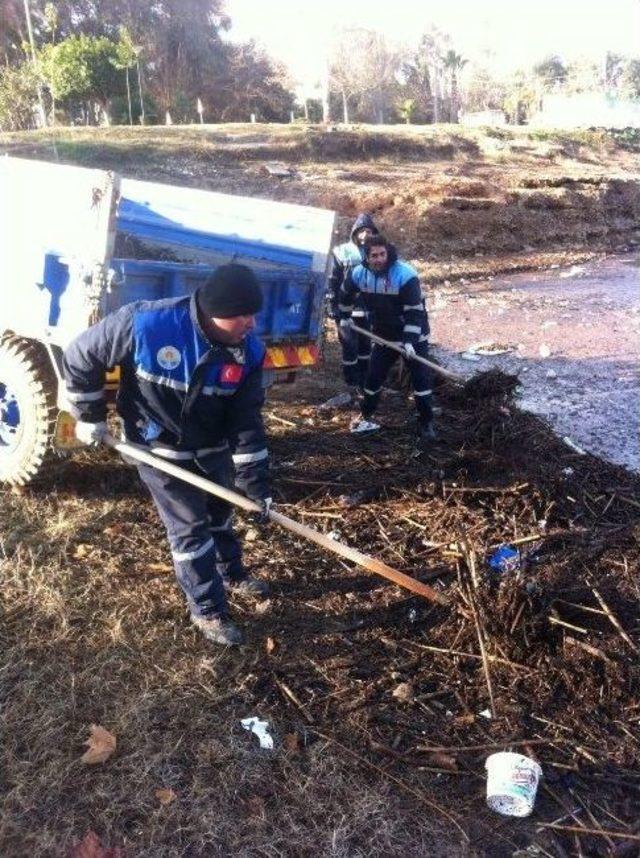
x=460 y=202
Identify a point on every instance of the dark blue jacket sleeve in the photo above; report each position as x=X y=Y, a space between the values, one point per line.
x=247 y=439
x=413 y=311
x=89 y=356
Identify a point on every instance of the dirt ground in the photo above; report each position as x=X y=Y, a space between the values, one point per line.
x=375 y=698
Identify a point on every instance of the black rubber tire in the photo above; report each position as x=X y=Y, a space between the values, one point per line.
x=26 y=369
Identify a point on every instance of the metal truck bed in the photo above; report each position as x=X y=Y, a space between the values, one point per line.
x=76 y=244
x=60 y=228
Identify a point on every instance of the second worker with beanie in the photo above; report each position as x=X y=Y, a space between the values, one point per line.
x=190 y=390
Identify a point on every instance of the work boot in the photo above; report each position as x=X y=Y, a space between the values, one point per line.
x=248 y=587
x=220 y=630
x=426 y=434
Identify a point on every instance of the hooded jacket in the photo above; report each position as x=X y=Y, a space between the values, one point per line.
x=345 y=257
x=180 y=394
x=392 y=299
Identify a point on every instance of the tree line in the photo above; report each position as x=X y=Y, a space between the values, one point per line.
x=129 y=61
x=156 y=61
x=373 y=80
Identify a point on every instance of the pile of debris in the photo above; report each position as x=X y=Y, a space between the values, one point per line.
x=535 y=547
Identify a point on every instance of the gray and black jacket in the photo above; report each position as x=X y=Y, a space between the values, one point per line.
x=345 y=257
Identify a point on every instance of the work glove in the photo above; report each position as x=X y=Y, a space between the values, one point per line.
x=92 y=434
x=409 y=350
x=262 y=516
x=346 y=324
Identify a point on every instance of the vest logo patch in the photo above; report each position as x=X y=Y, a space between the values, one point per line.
x=230 y=373
x=168 y=357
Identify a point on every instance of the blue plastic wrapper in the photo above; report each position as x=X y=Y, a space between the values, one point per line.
x=505 y=559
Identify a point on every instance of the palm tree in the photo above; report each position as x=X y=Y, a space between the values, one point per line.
x=452 y=63
x=423 y=73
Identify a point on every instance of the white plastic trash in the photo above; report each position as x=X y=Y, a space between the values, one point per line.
x=359 y=427
x=512 y=783
x=261 y=730
x=337 y=401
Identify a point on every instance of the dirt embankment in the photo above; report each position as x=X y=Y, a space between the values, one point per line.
x=464 y=202
x=501 y=198
x=471 y=216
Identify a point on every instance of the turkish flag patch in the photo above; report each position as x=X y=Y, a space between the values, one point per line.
x=231 y=373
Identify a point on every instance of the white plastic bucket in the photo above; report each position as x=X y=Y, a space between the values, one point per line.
x=512 y=782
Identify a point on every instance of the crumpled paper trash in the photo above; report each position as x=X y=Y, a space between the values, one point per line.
x=260 y=729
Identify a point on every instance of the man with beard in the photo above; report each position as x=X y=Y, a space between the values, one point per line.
x=388 y=289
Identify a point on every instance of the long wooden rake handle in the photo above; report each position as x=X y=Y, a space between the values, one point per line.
x=369 y=563
x=452 y=376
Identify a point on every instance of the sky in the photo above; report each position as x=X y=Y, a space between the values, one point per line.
x=517 y=32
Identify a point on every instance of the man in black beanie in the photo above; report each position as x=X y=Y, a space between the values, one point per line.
x=191 y=390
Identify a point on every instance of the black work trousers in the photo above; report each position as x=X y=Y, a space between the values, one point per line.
x=204 y=548
x=356 y=349
x=382 y=359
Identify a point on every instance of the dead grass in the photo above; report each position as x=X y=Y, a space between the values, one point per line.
x=104 y=639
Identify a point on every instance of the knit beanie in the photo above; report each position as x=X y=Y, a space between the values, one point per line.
x=232 y=290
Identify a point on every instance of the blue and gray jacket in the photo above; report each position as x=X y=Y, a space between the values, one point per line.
x=392 y=299
x=179 y=394
x=345 y=257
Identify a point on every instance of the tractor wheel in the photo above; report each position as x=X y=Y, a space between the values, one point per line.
x=27 y=409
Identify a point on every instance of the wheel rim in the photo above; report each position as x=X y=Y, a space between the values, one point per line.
x=10 y=422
